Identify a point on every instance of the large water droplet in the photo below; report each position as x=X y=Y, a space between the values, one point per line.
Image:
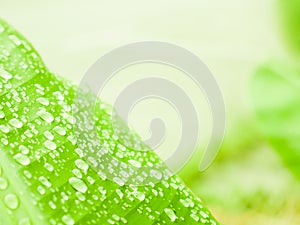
x=11 y=201
x=22 y=159
x=78 y=184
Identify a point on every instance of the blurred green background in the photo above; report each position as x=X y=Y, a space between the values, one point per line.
x=249 y=183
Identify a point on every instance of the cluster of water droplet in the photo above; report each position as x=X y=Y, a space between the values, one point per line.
x=55 y=176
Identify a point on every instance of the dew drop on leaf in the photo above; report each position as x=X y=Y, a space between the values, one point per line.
x=16 y=123
x=22 y=159
x=78 y=184
x=11 y=201
x=68 y=220
x=170 y=213
x=50 y=145
x=3 y=183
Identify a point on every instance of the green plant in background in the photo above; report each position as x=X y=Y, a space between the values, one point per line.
x=276 y=97
x=43 y=177
x=290 y=13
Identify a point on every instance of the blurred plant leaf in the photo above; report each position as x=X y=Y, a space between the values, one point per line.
x=290 y=13
x=276 y=98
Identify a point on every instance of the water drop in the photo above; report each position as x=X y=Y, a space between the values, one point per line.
x=52 y=205
x=68 y=220
x=156 y=174
x=78 y=184
x=50 y=145
x=4 y=129
x=16 y=123
x=59 y=130
x=140 y=196
x=11 y=201
x=2 y=115
x=170 y=213
x=3 y=183
x=4 y=74
x=43 y=101
x=49 y=135
x=135 y=163
x=47 y=117
x=49 y=167
x=81 y=164
x=24 y=149
x=22 y=159
x=119 y=181
x=195 y=217
x=45 y=181
x=41 y=190
x=80 y=196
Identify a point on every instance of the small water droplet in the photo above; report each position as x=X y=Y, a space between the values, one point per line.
x=156 y=174
x=78 y=184
x=11 y=201
x=80 y=196
x=47 y=117
x=16 y=123
x=170 y=213
x=195 y=217
x=24 y=149
x=3 y=183
x=135 y=163
x=68 y=220
x=43 y=101
x=119 y=181
x=4 y=129
x=81 y=164
x=49 y=135
x=50 y=145
x=45 y=181
x=59 y=130
x=2 y=115
x=52 y=205
x=140 y=196
x=49 y=167
x=4 y=74
x=41 y=190
x=58 y=95
x=77 y=173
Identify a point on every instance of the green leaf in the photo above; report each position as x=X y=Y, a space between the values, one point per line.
x=290 y=14
x=44 y=178
x=276 y=97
